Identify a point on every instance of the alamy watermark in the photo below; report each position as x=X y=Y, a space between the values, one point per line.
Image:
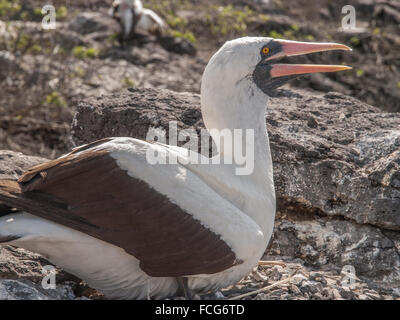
x=349 y=277
x=349 y=20
x=49 y=280
x=49 y=12
x=236 y=146
x=49 y=20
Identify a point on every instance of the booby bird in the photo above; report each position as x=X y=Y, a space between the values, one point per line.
x=135 y=18
x=135 y=230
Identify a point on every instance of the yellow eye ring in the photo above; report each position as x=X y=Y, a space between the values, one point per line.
x=265 y=50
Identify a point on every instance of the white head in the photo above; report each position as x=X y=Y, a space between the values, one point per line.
x=240 y=76
x=128 y=4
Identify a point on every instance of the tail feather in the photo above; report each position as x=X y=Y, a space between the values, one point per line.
x=5 y=239
x=36 y=203
x=7 y=187
x=11 y=195
x=5 y=210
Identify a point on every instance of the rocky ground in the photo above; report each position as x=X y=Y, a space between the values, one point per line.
x=336 y=158
x=43 y=74
x=336 y=165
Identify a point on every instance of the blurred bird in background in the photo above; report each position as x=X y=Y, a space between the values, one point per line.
x=135 y=19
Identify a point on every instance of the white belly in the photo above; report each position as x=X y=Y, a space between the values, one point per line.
x=104 y=266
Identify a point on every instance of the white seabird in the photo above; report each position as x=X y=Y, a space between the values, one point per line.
x=134 y=230
x=135 y=18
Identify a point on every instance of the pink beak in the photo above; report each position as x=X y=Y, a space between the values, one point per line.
x=294 y=48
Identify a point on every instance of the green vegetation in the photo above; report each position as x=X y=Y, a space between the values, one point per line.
x=176 y=22
x=295 y=27
x=291 y=34
x=376 y=31
x=35 y=49
x=275 y=34
x=263 y=17
x=355 y=41
x=82 y=52
x=23 y=41
x=26 y=43
x=187 y=35
x=37 y=12
x=55 y=99
x=16 y=9
x=24 y=15
x=168 y=10
x=229 y=20
x=9 y=7
x=61 y=12
x=359 y=72
x=80 y=72
x=309 y=37
x=398 y=84
x=226 y=21
x=128 y=82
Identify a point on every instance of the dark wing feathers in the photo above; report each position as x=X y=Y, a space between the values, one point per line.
x=90 y=193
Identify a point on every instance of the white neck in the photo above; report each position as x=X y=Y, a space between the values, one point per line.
x=244 y=108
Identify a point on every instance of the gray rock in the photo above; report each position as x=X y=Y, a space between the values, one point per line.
x=337 y=182
x=94 y=22
x=13 y=164
x=131 y=115
x=298 y=279
x=177 y=45
x=8 y=64
x=35 y=34
x=27 y=290
x=18 y=263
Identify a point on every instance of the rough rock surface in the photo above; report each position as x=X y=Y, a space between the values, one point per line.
x=13 y=164
x=17 y=263
x=336 y=168
x=302 y=284
x=336 y=164
x=26 y=290
x=94 y=22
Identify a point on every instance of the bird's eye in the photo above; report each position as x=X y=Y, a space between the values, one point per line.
x=265 y=50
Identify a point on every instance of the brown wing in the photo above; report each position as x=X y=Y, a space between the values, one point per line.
x=92 y=194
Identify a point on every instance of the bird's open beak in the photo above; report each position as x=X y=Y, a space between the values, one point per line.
x=294 y=48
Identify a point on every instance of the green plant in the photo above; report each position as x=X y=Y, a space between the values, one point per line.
x=174 y=21
x=275 y=34
x=61 y=12
x=24 y=15
x=37 y=12
x=187 y=35
x=295 y=27
x=23 y=41
x=360 y=72
x=289 y=34
x=80 y=72
x=35 y=49
x=9 y=7
x=55 y=99
x=309 y=37
x=92 y=53
x=230 y=20
x=128 y=82
x=82 y=52
x=355 y=41
x=263 y=17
